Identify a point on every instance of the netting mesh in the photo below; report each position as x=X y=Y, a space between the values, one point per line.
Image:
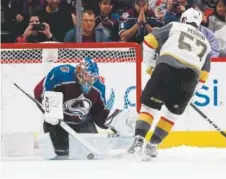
x=21 y=55
x=68 y=55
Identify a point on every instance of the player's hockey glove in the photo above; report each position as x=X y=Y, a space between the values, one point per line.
x=149 y=58
x=122 y=121
x=151 y=65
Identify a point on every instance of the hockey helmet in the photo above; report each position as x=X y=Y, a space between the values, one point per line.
x=87 y=73
x=192 y=16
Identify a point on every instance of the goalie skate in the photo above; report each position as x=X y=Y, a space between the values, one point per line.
x=136 y=147
x=149 y=151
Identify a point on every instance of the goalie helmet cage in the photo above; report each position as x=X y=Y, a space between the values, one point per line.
x=31 y=53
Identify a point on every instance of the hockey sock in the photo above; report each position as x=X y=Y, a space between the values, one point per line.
x=143 y=124
x=162 y=130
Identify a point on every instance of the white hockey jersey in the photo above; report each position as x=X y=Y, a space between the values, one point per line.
x=187 y=46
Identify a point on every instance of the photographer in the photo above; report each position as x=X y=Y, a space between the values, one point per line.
x=36 y=32
x=174 y=10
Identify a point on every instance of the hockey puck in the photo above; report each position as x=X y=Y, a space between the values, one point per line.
x=90 y=156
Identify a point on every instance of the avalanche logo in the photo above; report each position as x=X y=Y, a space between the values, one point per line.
x=79 y=107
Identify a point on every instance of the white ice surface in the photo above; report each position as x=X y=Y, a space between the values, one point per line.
x=175 y=163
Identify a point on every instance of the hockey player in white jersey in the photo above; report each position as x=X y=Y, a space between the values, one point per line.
x=182 y=66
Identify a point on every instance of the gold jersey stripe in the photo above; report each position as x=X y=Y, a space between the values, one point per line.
x=151 y=41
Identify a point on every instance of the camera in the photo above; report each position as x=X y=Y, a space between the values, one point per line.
x=176 y=3
x=38 y=27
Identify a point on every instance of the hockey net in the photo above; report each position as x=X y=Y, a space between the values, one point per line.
x=27 y=64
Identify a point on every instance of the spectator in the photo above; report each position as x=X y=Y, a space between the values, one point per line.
x=32 y=6
x=207 y=5
x=58 y=18
x=91 y=4
x=156 y=3
x=160 y=12
x=90 y=33
x=5 y=33
x=174 y=10
x=221 y=39
x=212 y=40
x=16 y=7
x=34 y=34
x=108 y=20
x=218 y=19
x=17 y=21
x=123 y=5
x=217 y=23
x=70 y=5
x=137 y=22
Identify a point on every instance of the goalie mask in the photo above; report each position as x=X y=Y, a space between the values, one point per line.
x=87 y=74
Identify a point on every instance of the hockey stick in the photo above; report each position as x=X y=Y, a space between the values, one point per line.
x=31 y=97
x=208 y=120
x=66 y=127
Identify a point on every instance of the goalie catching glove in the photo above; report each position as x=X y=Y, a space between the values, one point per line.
x=122 y=121
x=53 y=107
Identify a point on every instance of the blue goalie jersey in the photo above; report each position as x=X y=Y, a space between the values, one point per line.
x=79 y=108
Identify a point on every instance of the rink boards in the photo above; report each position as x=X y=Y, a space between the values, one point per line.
x=21 y=117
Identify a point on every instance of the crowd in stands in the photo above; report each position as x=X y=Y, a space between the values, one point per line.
x=103 y=20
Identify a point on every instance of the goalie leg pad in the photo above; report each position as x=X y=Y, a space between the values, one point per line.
x=46 y=147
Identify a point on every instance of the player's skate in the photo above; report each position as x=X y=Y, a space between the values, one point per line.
x=136 y=147
x=149 y=151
